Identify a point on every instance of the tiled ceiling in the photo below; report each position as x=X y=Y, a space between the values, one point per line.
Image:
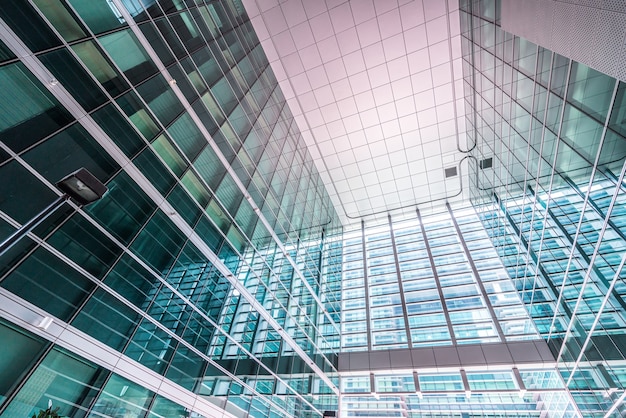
x=375 y=87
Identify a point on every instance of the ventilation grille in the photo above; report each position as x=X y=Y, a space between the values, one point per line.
x=450 y=172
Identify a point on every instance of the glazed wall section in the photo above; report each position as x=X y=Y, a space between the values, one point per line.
x=202 y=262
x=553 y=200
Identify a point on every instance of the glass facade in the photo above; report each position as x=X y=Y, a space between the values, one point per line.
x=553 y=201
x=214 y=278
x=427 y=281
x=202 y=264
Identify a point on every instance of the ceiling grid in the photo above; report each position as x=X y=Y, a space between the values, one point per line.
x=375 y=87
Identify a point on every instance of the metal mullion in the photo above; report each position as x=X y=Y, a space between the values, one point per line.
x=400 y=284
x=582 y=212
x=103 y=139
x=594 y=205
x=577 y=246
x=539 y=164
x=135 y=29
x=552 y=174
x=481 y=286
x=528 y=153
x=366 y=287
x=442 y=298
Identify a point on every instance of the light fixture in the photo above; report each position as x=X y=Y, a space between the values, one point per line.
x=45 y=323
x=81 y=185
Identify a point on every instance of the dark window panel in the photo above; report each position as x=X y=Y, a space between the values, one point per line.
x=124 y=209
x=100 y=16
x=28 y=112
x=29 y=26
x=119 y=130
x=107 y=319
x=49 y=283
x=70 y=150
x=74 y=78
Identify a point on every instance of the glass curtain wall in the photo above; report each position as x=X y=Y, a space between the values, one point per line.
x=203 y=261
x=426 y=281
x=553 y=200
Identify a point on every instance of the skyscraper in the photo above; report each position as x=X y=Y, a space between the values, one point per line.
x=339 y=208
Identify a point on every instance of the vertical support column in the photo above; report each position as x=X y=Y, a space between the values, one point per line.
x=483 y=291
x=519 y=381
x=418 y=389
x=436 y=277
x=400 y=285
x=466 y=386
x=366 y=287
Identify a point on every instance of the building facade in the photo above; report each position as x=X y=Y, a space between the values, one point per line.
x=215 y=279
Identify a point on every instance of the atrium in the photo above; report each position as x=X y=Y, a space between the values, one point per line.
x=313 y=208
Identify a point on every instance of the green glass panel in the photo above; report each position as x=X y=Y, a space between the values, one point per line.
x=151 y=346
x=80 y=241
x=164 y=408
x=61 y=18
x=66 y=380
x=121 y=397
x=195 y=187
x=186 y=368
x=131 y=279
x=100 y=16
x=89 y=53
x=590 y=90
x=71 y=149
x=119 y=130
x=187 y=136
x=25 y=196
x=19 y=352
x=153 y=169
x=582 y=132
x=613 y=153
x=618 y=114
x=128 y=54
x=157 y=43
x=160 y=97
x=184 y=205
x=47 y=282
x=5 y=52
x=168 y=153
x=159 y=242
x=138 y=115
x=28 y=112
x=107 y=319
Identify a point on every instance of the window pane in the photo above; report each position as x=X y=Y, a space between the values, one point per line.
x=19 y=351
x=28 y=25
x=129 y=55
x=47 y=282
x=70 y=382
x=74 y=78
x=28 y=112
x=61 y=18
x=99 y=66
x=100 y=16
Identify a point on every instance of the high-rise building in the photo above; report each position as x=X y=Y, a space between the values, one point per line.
x=315 y=208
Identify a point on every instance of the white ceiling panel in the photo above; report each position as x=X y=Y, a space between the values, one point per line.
x=375 y=88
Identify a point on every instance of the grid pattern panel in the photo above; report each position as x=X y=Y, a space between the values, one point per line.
x=374 y=87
